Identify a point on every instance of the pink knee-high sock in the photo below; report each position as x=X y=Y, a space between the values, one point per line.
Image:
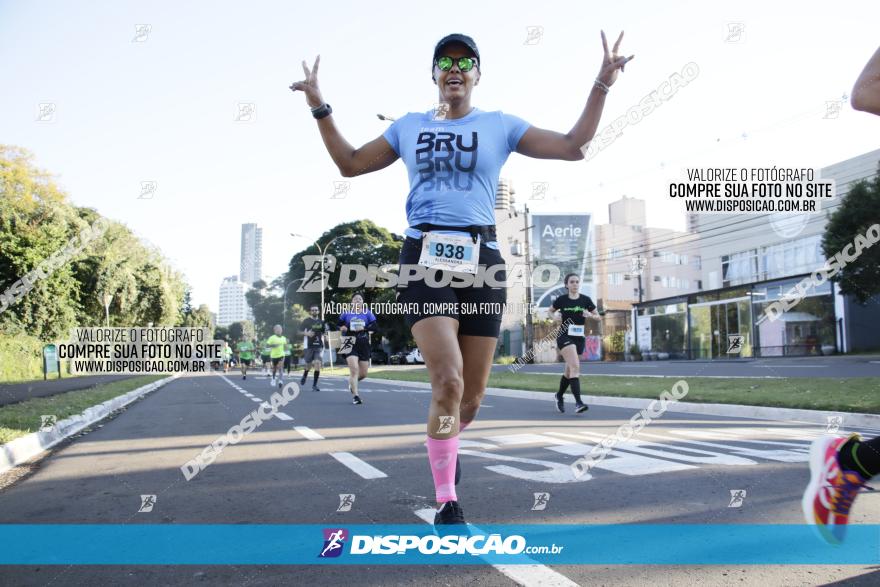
x=441 y=456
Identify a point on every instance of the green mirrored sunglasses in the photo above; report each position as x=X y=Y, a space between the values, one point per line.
x=464 y=63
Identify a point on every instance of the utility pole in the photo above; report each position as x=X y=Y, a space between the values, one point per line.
x=639 y=267
x=530 y=327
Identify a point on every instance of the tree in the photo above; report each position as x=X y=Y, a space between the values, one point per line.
x=859 y=210
x=201 y=318
x=222 y=333
x=365 y=244
x=243 y=330
x=266 y=307
x=38 y=225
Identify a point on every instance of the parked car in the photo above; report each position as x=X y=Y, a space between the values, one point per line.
x=398 y=358
x=379 y=357
x=415 y=357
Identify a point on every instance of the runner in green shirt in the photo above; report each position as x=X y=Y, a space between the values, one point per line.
x=245 y=356
x=227 y=356
x=264 y=356
x=276 y=344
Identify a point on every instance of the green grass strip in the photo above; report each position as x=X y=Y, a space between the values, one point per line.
x=24 y=417
x=858 y=394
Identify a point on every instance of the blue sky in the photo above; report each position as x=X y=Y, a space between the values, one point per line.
x=163 y=108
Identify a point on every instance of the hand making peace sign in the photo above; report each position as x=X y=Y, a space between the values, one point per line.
x=612 y=62
x=309 y=86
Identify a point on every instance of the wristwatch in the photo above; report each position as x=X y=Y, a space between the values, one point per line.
x=321 y=111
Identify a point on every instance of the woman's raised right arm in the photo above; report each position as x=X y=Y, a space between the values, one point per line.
x=373 y=156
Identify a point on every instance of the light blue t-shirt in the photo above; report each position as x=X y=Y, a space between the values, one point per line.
x=453 y=165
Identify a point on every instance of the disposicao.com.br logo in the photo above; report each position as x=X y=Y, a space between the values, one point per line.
x=450 y=544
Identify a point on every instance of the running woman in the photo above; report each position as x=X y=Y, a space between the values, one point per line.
x=840 y=467
x=356 y=326
x=313 y=328
x=453 y=156
x=227 y=357
x=573 y=308
x=276 y=344
x=245 y=350
x=288 y=357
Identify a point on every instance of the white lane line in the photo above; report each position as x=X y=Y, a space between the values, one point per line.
x=256 y=399
x=308 y=433
x=282 y=416
x=528 y=575
x=365 y=470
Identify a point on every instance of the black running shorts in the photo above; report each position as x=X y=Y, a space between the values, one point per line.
x=578 y=341
x=312 y=354
x=478 y=309
x=361 y=350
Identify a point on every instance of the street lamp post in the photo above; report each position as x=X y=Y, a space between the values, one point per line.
x=323 y=253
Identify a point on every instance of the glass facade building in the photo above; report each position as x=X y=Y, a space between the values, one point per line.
x=734 y=322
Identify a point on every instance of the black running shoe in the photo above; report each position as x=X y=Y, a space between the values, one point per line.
x=581 y=408
x=457 y=469
x=560 y=403
x=450 y=513
x=315 y=388
x=357 y=400
x=302 y=381
x=244 y=376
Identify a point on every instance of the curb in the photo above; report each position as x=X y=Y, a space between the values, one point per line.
x=26 y=447
x=849 y=419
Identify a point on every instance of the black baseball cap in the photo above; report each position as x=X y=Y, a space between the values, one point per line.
x=457 y=38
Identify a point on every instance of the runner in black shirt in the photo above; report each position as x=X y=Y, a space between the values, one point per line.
x=574 y=309
x=314 y=329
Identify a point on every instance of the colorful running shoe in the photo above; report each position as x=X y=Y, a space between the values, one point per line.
x=830 y=494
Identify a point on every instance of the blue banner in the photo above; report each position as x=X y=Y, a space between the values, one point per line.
x=678 y=544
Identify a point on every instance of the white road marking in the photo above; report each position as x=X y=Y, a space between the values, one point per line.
x=552 y=472
x=365 y=470
x=674 y=453
x=785 y=456
x=527 y=575
x=256 y=399
x=622 y=463
x=282 y=416
x=308 y=433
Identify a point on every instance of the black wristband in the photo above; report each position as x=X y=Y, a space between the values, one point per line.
x=322 y=111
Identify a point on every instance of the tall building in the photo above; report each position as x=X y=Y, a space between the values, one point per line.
x=251 y=268
x=664 y=261
x=233 y=305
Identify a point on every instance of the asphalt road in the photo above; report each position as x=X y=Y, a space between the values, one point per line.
x=835 y=367
x=284 y=473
